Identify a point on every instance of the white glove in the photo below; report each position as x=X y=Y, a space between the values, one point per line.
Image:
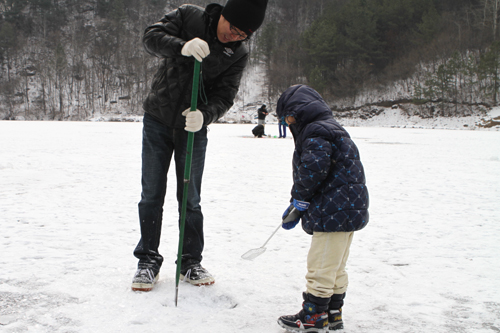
x=194 y=120
x=197 y=48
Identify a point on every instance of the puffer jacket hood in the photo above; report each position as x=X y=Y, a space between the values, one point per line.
x=327 y=170
x=303 y=103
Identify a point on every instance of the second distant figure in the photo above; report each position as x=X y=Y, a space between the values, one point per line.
x=282 y=129
x=261 y=114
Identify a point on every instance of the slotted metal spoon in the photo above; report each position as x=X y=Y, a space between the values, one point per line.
x=254 y=253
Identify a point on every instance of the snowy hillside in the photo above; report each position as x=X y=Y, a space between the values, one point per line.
x=253 y=91
x=386 y=117
x=396 y=118
x=426 y=262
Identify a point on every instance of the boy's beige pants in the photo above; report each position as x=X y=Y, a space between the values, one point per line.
x=326 y=263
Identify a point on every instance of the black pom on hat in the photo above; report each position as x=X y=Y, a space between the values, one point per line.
x=246 y=15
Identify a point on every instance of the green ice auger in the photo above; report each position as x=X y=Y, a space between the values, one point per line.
x=187 y=175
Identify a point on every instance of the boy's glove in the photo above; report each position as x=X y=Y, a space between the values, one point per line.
x=293 y=213
x=194 y=120
x=197 y=48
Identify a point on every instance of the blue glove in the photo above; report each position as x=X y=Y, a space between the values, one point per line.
x=293 y=213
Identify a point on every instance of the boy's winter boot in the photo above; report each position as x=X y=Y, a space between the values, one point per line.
x=312 y=318
x=335 y=312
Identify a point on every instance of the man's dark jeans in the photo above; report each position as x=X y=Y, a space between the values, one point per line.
x=159 y=143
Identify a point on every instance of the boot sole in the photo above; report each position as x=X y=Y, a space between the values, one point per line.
x=298 y=330
x=203 y=282
x=140 y=288
x=338 y=326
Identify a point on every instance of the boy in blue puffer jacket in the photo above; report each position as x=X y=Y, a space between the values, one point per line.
x=330 y=196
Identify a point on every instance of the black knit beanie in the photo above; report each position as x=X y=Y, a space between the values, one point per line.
x=246 y=15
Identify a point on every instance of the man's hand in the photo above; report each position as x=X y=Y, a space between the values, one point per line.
x=197 y=48
x=293 y=213
x=194 y=120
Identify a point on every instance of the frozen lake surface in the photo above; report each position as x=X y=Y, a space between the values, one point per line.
x=428 y=261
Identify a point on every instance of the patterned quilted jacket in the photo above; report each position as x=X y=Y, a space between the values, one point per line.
x=221 y=70
x=327 y=171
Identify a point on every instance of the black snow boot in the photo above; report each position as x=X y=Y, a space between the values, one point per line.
x=312 y=318
x=335 y=312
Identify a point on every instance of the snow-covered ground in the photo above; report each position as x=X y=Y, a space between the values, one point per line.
x=427 y=262
x=394 y=118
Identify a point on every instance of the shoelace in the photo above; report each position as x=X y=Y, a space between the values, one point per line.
x=188 y=274
x=147 y=273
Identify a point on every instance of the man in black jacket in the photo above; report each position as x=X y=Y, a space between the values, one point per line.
x=213 y=36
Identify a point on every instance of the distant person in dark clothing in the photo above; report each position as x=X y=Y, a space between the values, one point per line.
x=261 y=115
x=258 y=131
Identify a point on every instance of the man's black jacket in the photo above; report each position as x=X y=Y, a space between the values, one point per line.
x=170 y=92
x=262 y=113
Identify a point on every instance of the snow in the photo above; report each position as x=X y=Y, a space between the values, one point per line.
x=495 y=112
x=396 y=118
x=426 y=262
x=388 y=117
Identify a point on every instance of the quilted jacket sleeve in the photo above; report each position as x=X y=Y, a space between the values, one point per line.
x=312 y=168
x=222 y=92
x=160 y=39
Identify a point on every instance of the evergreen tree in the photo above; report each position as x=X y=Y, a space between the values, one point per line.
x=8 y=42
x=429 y=26
x=489 y=71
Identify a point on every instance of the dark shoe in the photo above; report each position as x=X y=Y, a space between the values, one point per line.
x=312 y=318
x=335 y=312
x=335 y=320
x=144 y=279
x=197 y=276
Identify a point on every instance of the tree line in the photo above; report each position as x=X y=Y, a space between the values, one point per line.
x=437 y=50
x=73 y=59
